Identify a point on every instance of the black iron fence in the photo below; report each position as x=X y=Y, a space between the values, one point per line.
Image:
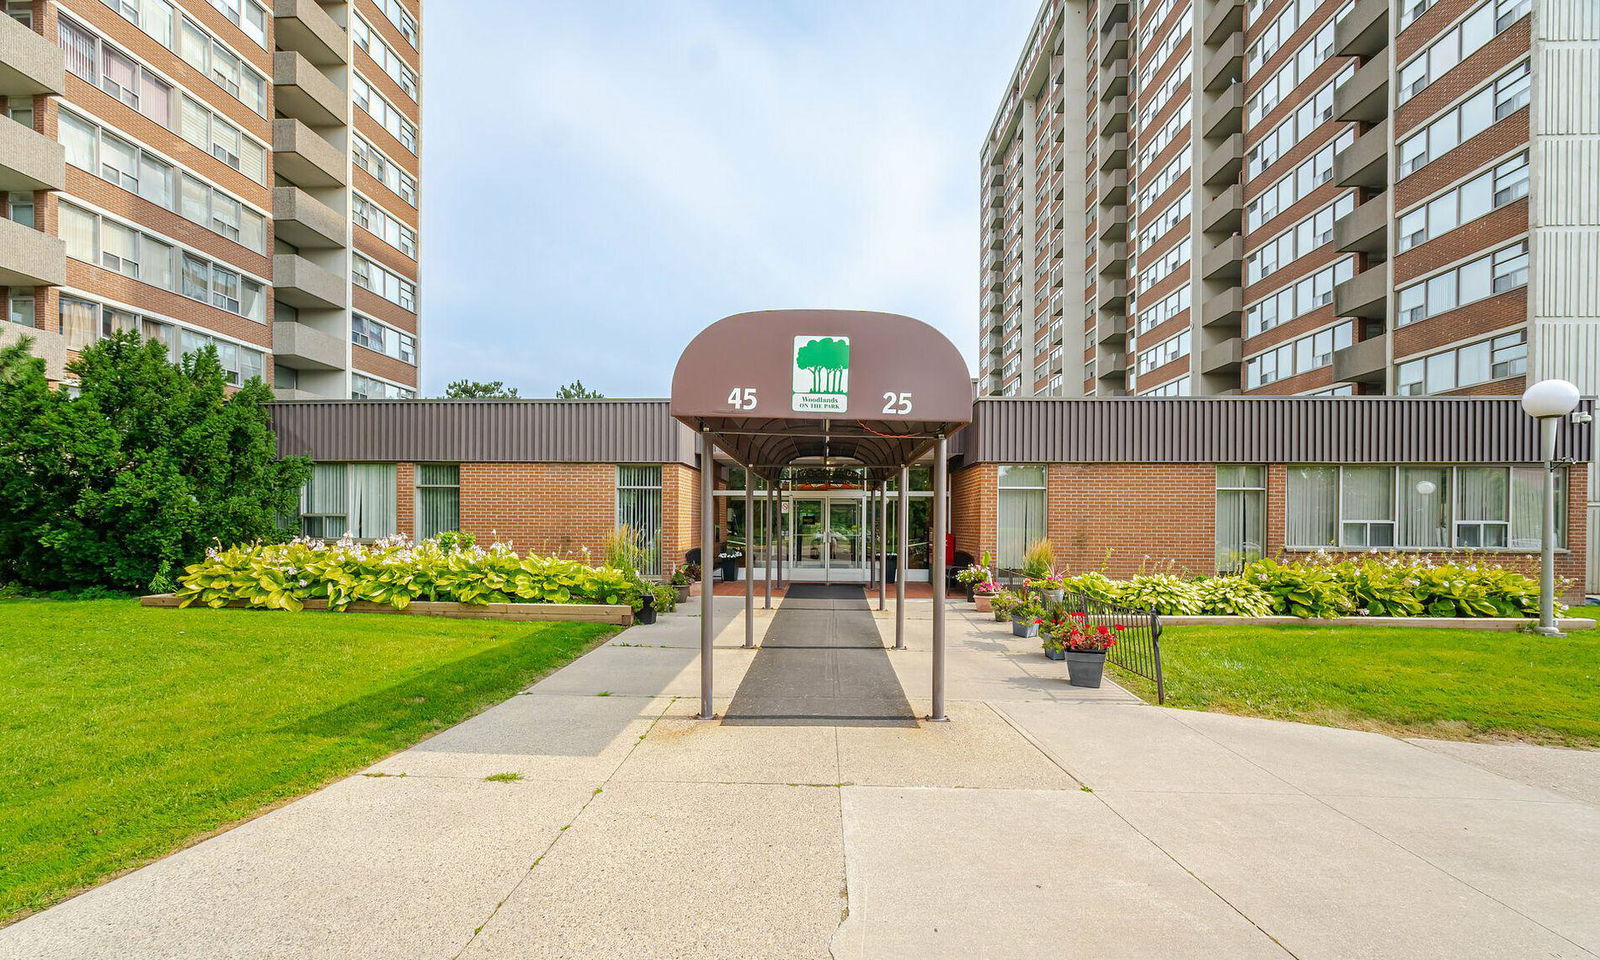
x=1138 y=646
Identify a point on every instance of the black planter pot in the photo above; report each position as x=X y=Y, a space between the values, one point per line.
x=970 y=587
x=1085 y=668
x=730 y=568
x=646 y=613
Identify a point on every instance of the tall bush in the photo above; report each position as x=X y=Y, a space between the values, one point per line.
x=124 y=482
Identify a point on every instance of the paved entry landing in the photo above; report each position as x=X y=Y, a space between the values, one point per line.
x=822 y=666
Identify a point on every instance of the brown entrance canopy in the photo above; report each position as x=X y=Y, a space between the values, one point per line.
x=777 y=386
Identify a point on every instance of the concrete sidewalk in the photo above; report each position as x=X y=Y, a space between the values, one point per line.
x=1044 y=820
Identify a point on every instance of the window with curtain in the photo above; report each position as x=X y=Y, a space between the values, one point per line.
x=639 y=507
x=1241 y=515
x=1021 y=512
x=438 y=499
x=1424 y=507
x=349 y=499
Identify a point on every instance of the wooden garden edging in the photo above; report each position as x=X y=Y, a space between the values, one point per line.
x=619 y=614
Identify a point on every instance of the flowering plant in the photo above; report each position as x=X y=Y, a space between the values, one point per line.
x=974 y=573
x=1074 y=632
x=988 y=587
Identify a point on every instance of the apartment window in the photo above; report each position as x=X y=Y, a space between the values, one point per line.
x=355 y=500
x=1494 y=102
x=1287 y=190
x=1506 y=183
x=251 y=17
x=1458 y=43
x=1172 y=388
x=1497 y=358
x=1165 y=309
x=381 y=110
x=377 y=221
x=385 y=283
x=1294 y=70
x=1298 y=298
x=1297 y=241
x=384 y=339
x=1241 y=530
x=1165 y=352
x=20 y=309
x=438 y=499
x=1165 y=220
x=1423 y=507
x=368 y=388
x=639 y=509
x=1310 y=352
x=382 y=54
x=1164 y=265
x=1021 y=511
x=1488 y=275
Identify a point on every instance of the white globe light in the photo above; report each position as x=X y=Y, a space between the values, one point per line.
x=1426 y=487
x=1550 y=398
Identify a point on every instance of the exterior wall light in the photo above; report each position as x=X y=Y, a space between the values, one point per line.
x=1548 y=401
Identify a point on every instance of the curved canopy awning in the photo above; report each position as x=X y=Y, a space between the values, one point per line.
x=776 y=386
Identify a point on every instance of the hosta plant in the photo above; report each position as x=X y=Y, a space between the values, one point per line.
x=1162 y=593
x=1233 y=597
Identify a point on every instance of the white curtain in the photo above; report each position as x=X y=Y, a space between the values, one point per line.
x=1312 y=507
x=372 y=501
x=1021 y=511
x=438 y=499
x=1424 y=507
x=639 y=507
x=1527 y=508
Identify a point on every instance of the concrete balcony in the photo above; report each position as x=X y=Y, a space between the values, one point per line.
x=1110 y=364
x=304 y=92
x=49 y=346
x=29 y=257
x=305 y=28
x=1224 y=115
x=305 y=286
x=1113 y=80
x=1363 y=362
x=1114 y=44
x=1114 y=151
x=1113 y=13
x=1365 y=163
x=1114 y=224
x=1114 y=116
x=1226 y=17
x=306 y=222
x=1223 y=64
x=306 y=348
x=29 y=161
x=1113 y=259
x=30 y=65
x=1226 y=309
x=1224 y=161
x=301 y=156
x=1221 y=357
x=1111 y=186
x=1364 y=30
x=1364 y=295
x=1364 y=229
x=1225 y=213
x=1222 y=262
x=1111 y=295
x=1365 y=96
x=1109 y=329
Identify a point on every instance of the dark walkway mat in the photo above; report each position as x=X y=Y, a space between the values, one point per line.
x=821 y=667
x=825 y=591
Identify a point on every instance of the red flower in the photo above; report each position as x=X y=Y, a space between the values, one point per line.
x=1118 y=628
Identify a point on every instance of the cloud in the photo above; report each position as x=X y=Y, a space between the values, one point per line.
x=599 y=185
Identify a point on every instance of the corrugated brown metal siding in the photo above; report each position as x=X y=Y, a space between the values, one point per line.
x=521 y=431
x=1277 y=430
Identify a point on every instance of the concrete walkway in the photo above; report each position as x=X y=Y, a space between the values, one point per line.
x=1044 y=820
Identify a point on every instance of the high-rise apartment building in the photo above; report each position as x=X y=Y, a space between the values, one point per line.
x=237 y=173
x=1201 y=197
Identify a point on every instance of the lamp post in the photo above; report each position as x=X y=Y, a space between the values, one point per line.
x=1548 y=401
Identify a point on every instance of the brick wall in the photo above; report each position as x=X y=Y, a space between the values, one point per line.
x=680 y=512
x=559 y=509
x=1124 y=517
x=973 y=507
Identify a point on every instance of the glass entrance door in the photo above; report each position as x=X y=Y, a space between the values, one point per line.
x=808 y=541
x=828 y=538
x=846 y=540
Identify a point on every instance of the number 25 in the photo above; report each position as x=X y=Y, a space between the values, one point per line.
x=899 y=403
x=742 y=398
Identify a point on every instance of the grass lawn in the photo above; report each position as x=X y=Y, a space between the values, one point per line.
x=127 y=732
x=1451 y=684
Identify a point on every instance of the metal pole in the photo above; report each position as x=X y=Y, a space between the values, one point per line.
x=870 y=554
x=782 y=538
x=749 y=560
x=766 y=586
x=904 y=523
x=1547 y=535
x=941 y=482
x=883 y=543
x=708 y=556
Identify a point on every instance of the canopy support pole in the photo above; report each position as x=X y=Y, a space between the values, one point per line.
x=941 y=485
x=883 y=543
x=749 y=560
x=904 y=525
x=708 y=557
x=768 y=505
x=783 y=545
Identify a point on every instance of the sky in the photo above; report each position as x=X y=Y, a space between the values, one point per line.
x=603 y=180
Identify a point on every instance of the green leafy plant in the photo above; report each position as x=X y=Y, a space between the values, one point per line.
x=666 y=597
x=452 y=540
x=1162 y=593
x=1233 y=597
x=1305 y=590
x=1039 y=560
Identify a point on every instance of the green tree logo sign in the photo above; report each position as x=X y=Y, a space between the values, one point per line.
x=821 y=374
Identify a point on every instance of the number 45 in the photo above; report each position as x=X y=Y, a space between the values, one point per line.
x=742 y=398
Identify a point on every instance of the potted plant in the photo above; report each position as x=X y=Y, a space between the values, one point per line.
x=983 y=595
x=645 y=612
x=680 y=582
x=1038 y=560
x=1025 y=619
x=972 y=575
x=728 y=561
x=1002 y=605
x=1053 y=587
x=1083 y=646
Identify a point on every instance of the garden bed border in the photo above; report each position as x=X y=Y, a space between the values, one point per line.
x=1454 y=623
x=618 y=614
